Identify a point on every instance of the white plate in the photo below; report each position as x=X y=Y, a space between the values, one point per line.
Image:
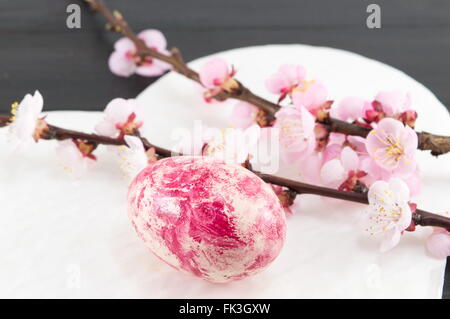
x=67 y=238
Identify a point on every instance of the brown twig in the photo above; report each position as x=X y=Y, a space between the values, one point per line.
x=118 y=23
x=420 y=217
x=4 y=120
x=435 y=143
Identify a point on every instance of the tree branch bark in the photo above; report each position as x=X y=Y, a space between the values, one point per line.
x=435 y=143
x=420 y=217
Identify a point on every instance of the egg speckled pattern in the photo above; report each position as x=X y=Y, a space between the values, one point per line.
x=217 y=221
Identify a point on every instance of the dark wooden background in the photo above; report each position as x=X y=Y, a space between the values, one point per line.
x=69 y=67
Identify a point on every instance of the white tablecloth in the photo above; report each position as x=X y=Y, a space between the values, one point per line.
x=62 y=237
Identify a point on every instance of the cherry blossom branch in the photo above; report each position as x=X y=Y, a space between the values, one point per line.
x=4 y=120
x=420 y=217
x=117 y=23
x=435 y=143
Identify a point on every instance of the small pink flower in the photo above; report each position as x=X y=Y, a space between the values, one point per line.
x=407 y=117
x=349 y=109
x=331 y=151
x=390 y=104
x=393 y=146
x=414 y=182
x=394 y=102
x=336 y=171
x=124 y=62
x=287 y=78
x=296 y=129
x=122 y=117
x=389 y=211
x=311 y=95
x=133 y=158
x=375 y=172
x=75 y=156
x=216 y=76
x=310 y=168
x=244 y=115
x=373 y=113
x=27 y=122
x=438 y=243
x=358 y=143
x=286 y=198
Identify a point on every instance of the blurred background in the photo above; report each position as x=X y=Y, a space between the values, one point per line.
x=69 y=66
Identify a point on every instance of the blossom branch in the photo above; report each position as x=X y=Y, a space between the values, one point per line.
x=435 y=143
x=4 y=120
x=117 y=23
x=420 y=217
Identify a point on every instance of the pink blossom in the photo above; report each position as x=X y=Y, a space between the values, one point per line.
x=310 y=95
x=331 y=151
x=286 y=198
x=394 y=102
x=296 y=130
x=375 y=172
x=438 y=243
x=336 y=171
x=390 y=104
x=133 y=158
x=414 y=182
x=287 y=78
x=244 y=115
x=389 y=211
x=358 y=143
x=349 y=109
x=407 y=117
x=124 y=62
x=75 y=156
x=28 y=123
x=122 y=117
x=310 y=168
x=393 y=146
x=373 y=113
x=216 y=76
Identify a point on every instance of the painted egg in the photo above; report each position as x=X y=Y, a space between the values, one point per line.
x=217 y=221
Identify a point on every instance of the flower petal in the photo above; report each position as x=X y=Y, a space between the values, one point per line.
x=438 y=243
x=120 y=64
x=150 y=69
x=391 y=239
x=349 y=109
x=349 y=159
x=124 y=45
x=399 y=189
x=333 y=173
x=311 y=98
x=154 y=39
x=216 y=69
x=243 y=115
x=394 y=102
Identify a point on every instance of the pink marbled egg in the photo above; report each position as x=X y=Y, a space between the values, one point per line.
x=217 y=221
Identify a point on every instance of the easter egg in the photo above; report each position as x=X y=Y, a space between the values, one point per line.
x=217 y=221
